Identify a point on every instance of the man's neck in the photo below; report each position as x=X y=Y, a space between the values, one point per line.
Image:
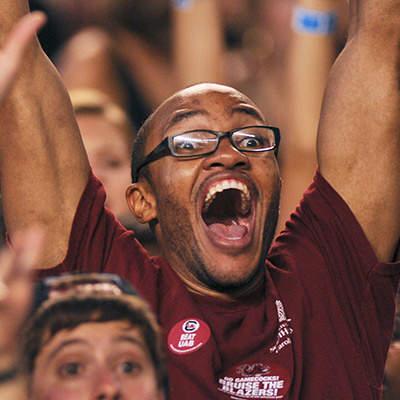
x=232 y=294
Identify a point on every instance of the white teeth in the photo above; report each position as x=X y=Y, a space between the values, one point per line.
x=244 y=205
x=225 y=185
x=235 y=185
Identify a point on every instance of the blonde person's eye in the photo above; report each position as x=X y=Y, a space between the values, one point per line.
x=70 y=370
x=130 y=367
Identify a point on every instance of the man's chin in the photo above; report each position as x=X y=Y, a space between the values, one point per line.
x=232 y=285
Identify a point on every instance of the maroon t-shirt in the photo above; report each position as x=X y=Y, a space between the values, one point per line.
x=318 y=329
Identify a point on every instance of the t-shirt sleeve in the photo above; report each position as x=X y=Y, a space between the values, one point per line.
x=337 y=275
x=99 y=243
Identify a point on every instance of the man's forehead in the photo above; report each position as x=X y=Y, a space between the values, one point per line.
x=205 y=88
x=201 y=94
x=206 y=100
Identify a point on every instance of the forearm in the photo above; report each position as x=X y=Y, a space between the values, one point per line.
x=43 y=164
x=358 y=142
x=311 y=54
x=198 y=43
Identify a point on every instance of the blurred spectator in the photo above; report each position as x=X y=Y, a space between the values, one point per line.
x=108 y=137
x=92 y=336
x=89 y=60
x=391 y=381
x=16 y=274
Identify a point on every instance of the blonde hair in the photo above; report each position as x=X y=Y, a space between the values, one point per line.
x=95 y=102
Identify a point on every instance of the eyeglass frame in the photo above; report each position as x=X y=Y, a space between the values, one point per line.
x=164 y=147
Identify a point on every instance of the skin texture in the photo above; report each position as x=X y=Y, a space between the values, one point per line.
x=106 y=360
x=208 y=262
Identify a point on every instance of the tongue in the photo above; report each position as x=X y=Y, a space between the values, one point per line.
x=230 y=232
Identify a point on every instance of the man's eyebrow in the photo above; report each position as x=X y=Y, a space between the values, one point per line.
x=248 y=111
x=179 y=116
x=182 y=115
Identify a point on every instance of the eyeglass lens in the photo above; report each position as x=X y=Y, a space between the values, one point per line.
x=202 y=142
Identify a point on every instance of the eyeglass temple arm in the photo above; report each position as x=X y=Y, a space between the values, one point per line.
x=161 y=150
x=277 y=140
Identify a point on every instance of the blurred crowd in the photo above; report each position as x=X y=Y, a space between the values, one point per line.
x=120 y=59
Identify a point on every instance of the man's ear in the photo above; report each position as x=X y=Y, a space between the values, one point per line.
x=141 y=201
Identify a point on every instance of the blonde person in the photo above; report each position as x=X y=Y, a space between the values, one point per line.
x=108 y=135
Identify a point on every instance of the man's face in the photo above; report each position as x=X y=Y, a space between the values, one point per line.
x=214 y=211
x=95 y=360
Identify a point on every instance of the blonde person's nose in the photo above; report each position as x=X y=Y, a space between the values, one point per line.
x=107 y=385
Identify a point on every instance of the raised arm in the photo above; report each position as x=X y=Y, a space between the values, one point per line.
x=43 y=165
x=198 y=42
x=312 y=51
x=358 y=140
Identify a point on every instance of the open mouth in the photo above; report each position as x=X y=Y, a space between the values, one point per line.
x=227 y=210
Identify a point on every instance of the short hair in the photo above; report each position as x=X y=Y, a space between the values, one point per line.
x=71 y=308
x=139 y=148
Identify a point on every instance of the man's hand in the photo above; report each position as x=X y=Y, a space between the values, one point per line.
x=17 y=44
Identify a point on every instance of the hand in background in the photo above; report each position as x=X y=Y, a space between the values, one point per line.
x=16 y=283
x=17 y=44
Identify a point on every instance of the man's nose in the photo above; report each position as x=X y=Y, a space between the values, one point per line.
x=226 y=156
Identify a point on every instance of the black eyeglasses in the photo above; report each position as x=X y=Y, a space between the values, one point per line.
x=201 y=142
